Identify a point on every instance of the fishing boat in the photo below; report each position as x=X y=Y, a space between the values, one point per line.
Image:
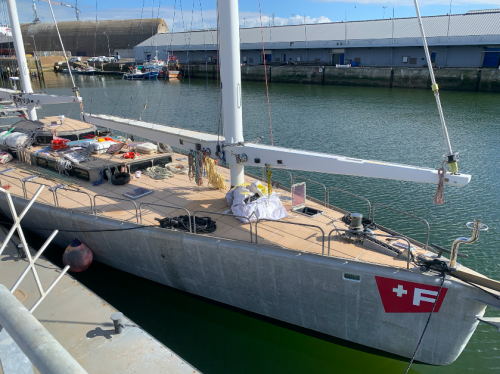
x=173 y=71
x=317 y=266
x=84 y=71
x=140 y=72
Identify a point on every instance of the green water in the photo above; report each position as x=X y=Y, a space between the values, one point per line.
x=382 y=124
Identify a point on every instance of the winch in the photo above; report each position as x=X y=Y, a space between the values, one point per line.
x=356 y=222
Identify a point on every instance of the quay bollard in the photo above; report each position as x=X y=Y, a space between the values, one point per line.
x=117 y=321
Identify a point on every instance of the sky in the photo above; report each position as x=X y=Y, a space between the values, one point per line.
x=183 y=15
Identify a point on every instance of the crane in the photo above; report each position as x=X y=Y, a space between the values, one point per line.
x=35 y=15
x=75 y=7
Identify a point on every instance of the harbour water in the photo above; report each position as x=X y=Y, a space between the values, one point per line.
x=375 y=123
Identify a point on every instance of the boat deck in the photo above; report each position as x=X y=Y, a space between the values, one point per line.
x=178 y=193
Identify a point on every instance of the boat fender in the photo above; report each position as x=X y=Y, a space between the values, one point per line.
x=119 y=179
x=78 y=256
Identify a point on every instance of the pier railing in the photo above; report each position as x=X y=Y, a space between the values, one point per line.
x=18 y=328
x=22 y=330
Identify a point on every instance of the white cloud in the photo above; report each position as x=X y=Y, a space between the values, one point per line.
x=187 y=19
x=248 y=19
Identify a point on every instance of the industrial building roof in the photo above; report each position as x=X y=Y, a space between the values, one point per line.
x=90 y=38
x=469 y=29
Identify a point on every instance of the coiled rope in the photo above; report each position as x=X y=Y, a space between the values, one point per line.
x=196 y=166
x=439 y=197
x=203 y=224
x=158 y=173
x=215 y=180
x=269 y=182
x=177 y=168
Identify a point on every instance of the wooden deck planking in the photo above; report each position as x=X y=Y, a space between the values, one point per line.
x=179 y=191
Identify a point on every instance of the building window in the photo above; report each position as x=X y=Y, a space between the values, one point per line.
x=413 y=60
x=250 y=60
x=277 y=59
x=357 y=59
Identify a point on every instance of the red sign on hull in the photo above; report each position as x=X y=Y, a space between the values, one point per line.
x=408 y=297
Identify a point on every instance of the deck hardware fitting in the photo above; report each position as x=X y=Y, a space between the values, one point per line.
x=117 y=322
x=475 y=226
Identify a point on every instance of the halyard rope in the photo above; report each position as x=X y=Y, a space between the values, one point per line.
x=265 y=73
x=75 y=89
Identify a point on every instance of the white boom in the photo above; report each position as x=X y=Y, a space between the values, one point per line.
x=173 y=136
x=276 y=157
x=34 y=99
x=286 y=158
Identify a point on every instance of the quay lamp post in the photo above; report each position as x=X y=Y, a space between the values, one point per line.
x=109 y=51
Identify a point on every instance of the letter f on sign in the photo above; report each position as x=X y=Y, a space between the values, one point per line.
x=417 y=296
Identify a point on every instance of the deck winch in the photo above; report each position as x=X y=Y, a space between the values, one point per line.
x=356 y=222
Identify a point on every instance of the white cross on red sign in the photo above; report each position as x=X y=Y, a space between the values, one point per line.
x=408 y=297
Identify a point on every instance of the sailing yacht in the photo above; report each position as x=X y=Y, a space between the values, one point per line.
x=327 y=270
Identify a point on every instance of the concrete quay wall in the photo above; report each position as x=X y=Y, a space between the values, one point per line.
x=485 y=80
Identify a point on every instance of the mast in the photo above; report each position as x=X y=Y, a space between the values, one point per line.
x=230 y=70
x=21 y=54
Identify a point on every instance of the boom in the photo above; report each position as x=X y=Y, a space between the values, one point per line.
x=276 y=157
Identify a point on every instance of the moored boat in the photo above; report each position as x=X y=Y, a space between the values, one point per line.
x=139 y=72
x=326 y=270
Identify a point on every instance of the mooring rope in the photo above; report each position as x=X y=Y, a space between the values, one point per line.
x=426 y=324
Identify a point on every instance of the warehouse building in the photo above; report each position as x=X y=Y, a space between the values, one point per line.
x=459 y=40
x=90 y=38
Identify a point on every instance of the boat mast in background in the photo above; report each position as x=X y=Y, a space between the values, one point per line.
x=230 y=70
x=21 y=55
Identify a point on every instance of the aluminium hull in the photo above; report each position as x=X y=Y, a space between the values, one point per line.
x=303 y=289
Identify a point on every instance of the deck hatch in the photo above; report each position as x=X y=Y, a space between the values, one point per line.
x=299 y=199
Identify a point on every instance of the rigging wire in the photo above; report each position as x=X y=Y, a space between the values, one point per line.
x=265 y=73
x=451 y=157
x=218 y=83
x=150 y=83
x=122 y=91
x=75 y=89
x=188 y=65
x=206 y=58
